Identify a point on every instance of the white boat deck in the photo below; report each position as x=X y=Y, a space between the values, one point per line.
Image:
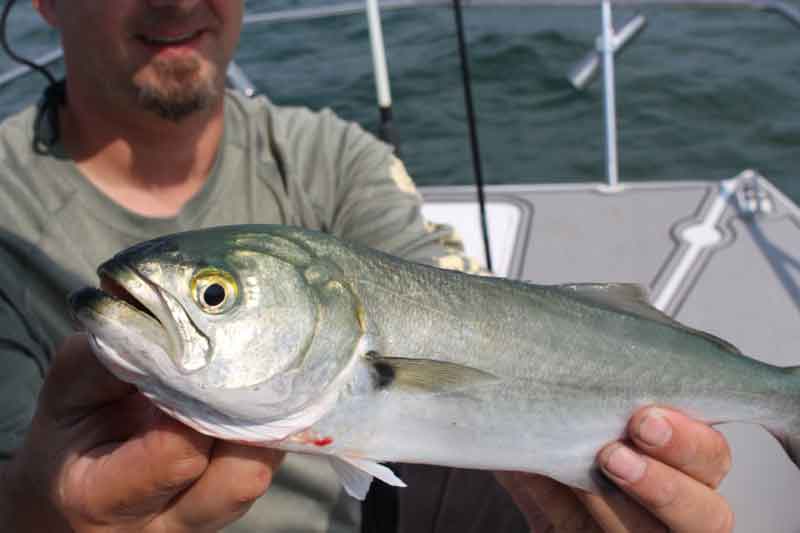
x=707 y=260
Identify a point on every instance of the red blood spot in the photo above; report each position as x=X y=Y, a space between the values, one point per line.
x=322 y=442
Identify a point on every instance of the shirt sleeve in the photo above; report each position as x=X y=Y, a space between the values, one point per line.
x=378 y=205
x=23 y=358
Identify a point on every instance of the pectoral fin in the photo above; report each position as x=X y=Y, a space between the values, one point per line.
x=425 y=374
x=356 y=475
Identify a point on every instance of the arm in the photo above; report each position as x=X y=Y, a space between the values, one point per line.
x=372 y=199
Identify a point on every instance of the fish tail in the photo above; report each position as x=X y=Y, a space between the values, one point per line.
x=787 y=432
x=792 y=446
x=790 y=440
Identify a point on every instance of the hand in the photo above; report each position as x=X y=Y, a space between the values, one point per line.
x=668 y=477
x=99 y=457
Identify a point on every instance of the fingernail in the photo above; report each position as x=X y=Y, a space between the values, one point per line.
x=625 y=464
x=654 y=429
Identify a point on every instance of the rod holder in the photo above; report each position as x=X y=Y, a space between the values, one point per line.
x=585 y=71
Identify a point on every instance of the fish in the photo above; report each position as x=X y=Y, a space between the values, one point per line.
x=289 y=338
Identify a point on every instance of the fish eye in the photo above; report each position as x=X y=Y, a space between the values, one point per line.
x=214 y=291
x=214 y=295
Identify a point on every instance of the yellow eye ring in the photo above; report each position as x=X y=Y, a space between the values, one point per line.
x=214 y=291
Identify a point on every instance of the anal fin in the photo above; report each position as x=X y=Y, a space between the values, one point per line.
x=356 y=475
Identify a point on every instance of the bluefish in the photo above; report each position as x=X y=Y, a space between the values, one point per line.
x=293 y=339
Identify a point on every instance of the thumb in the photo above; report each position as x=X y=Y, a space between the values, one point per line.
x=77 y=382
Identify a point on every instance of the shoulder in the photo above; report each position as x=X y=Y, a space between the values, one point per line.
x=285 y=120
x=16 y=137
x=28 y=192
x=305 y=136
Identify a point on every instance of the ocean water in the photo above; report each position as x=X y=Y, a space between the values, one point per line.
x=701 y=94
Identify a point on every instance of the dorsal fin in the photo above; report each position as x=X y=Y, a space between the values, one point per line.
x=628 y=297
x=633 y=299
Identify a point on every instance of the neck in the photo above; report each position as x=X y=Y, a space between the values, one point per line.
x=147 y=164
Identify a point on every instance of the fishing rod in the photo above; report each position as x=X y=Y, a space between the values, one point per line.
x=386 y=130
x=473 y=130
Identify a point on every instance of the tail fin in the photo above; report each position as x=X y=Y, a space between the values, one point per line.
x=792 y=446
x=788 y=432
x=790 y=440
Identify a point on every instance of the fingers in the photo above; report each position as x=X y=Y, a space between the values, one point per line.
x=236 y=477
x=77 y=383
x=682 y=503
x=668 y=479
x=111 y=424
x=139 y=476
x=84 y=405
x=674 y=481
x=686 y=444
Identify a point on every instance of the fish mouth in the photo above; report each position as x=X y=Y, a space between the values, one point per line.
x=125 y=285
x=118 y=291
x=189 y=347
x=129 y=312
x=113 y=306
x=128 y=340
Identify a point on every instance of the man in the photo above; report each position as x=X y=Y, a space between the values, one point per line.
x=142 y=140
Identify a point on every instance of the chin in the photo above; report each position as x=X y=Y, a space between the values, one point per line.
x=177 y=89
x=175 y=102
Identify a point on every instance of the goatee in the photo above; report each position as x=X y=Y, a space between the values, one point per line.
x=181 y=90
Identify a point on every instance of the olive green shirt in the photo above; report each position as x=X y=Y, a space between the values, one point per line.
x=275 y=165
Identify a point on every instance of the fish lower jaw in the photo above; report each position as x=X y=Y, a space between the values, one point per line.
x=120 y=367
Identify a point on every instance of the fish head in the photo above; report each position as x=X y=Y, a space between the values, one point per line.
x=250 y=324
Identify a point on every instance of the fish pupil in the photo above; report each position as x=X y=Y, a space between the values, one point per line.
x=214 y=295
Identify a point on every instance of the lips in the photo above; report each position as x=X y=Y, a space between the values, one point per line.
x=170 y=38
